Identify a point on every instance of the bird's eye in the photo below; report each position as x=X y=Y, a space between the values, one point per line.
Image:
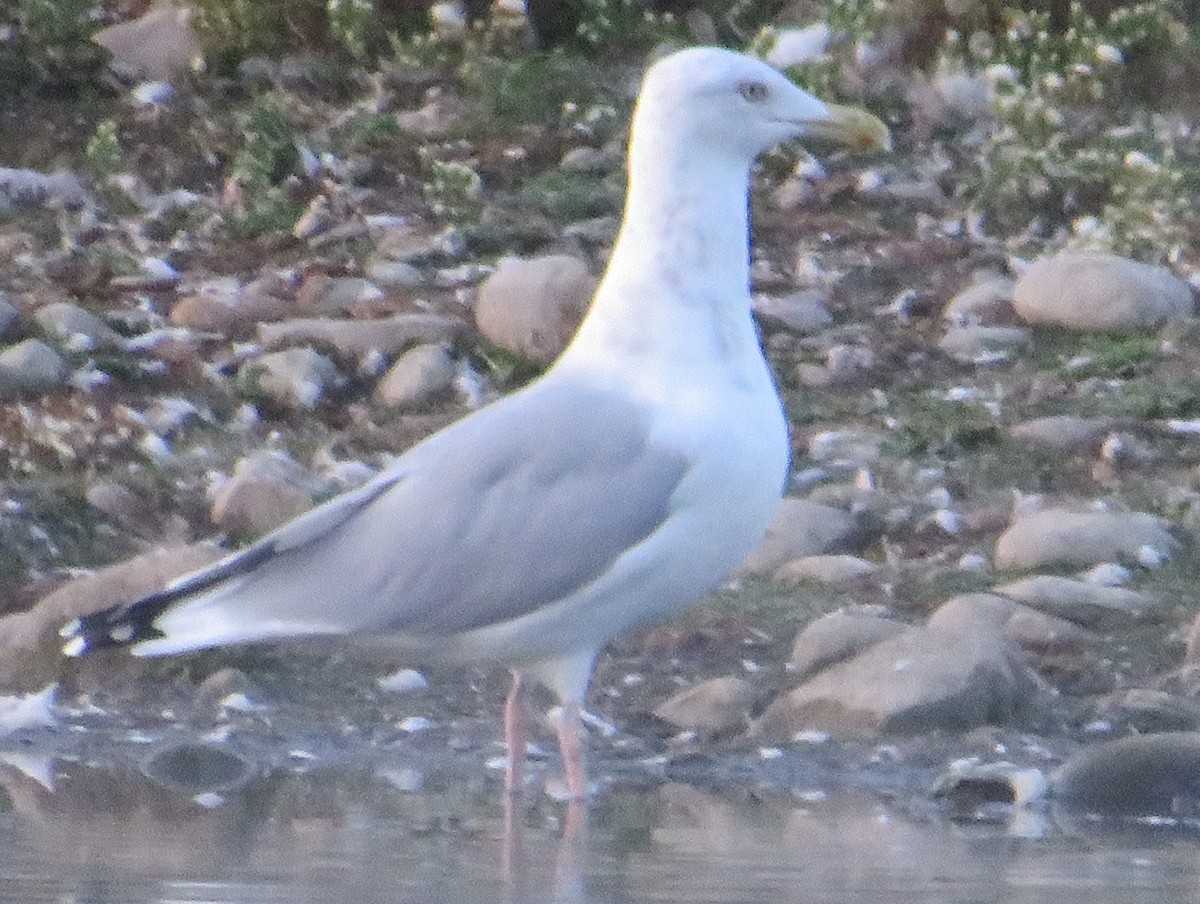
x=753 y=91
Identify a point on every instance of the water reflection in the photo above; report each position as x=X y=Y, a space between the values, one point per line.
x=81 y=833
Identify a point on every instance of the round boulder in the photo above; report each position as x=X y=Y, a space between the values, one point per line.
x=533 y=306
x=1097 y=291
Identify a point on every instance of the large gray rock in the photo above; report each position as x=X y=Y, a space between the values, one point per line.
x=30 y=654
x=31 y=368
x=533 y=306
x=1144 y=775
x=800 y=528
x=1091 y=290
x=921 y=680
x=1037 y=632
x=837 y=636
x=1080 y=539
x=1090 y=605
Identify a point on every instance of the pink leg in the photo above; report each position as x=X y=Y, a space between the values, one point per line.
x=514 y=734
x=569 y=743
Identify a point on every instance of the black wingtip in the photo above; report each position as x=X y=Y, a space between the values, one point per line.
x=116 y=626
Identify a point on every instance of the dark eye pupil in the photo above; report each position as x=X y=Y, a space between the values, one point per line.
x=754 y=91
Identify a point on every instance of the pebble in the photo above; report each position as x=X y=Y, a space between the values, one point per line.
x=77 y=327
x=988 y=302
x=802 y=313
x=389 y=336
x=1063 y=433
x=834 y=571
x=1090 y=290
x=31 y=368
x=532 y=306
x=266 y=489
x=420 y=376
x=974 y=344
x=1034 y=631
x=799 y=528
x=1079 y=539
x=322 y=295
x=718 y=706
x=296 y=378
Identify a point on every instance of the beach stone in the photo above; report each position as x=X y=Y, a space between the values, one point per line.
x=191 y=768
x=1079 y=539
x=321 y=294
x=1037 y=632
x=1063 y=433
x=30 y=646
x=837 y=636
x=158 y=45
x=387 y=335
x=392 y=274
x=854 y=444
x=1090 y=605
x=265 y=490
x=975 y=344
x=985 y=303
x=296 y=377
x=31 y=367
x=1146 y=711
x=421 y=375
x=68 y=321
x=1093 y=290
x=1143 y=775
x=802 y=313
x=534 y=305
x=834 y=570
x=920 y=680
x=799 y=528
x=717 y=706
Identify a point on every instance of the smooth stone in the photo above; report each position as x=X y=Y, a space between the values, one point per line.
x=802 y=313
x=1143 y=775
x=392 y=274
x=388 y=335
x=799 y=528
x=192 y=769
x=30 y=645
x=533 y=306
x=969 y=786
x=1063 y=433
x=68 y=321
x=985 y=303
x=8 y=314
x=975 y=344
x=1079 y=539
x=321 y=295
x=266 y=489
x=158 y=45
x=1147 y=711
x=920 y=680
x=31 y=367
x=1092 y=290
x=840 y=635
x=717 y=706
x=296 y=377
x=854 y=444
x=227 y=305
x=1090 y=605
x=833 y=570
x=421 y=375
x=1037 y=632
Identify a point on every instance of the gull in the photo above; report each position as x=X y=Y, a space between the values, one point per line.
x=622 y=485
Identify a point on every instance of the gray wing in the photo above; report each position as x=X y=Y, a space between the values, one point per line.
x=511 y=509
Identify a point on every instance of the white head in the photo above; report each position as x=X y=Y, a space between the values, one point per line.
x=719 y=100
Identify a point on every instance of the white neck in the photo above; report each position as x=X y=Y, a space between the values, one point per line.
x=685 y=235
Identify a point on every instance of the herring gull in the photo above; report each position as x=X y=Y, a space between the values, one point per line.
x=622 y=485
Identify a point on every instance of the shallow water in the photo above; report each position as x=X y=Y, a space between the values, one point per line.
x=84 y=834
